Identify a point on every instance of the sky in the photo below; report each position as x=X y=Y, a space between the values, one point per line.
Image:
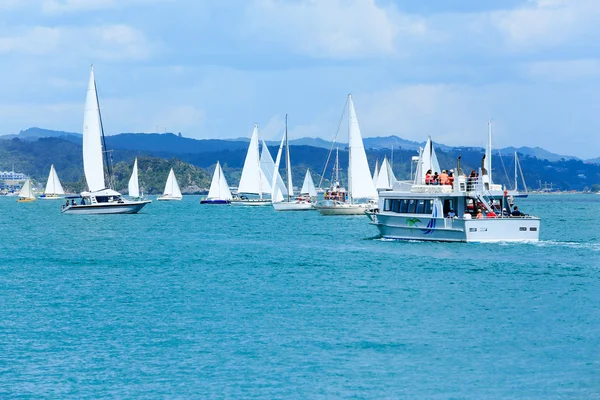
x=213 y=68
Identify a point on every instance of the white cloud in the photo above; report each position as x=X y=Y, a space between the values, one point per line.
x=107 y=42
x=343 y=29
x=543 y=23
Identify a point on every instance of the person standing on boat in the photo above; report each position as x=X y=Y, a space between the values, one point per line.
x=479 y=214
x=451 y=177
x=428 y=178
x=517 y=213
x=444 y=178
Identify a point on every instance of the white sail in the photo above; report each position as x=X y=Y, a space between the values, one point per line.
x=427 y=161
x=277 y=195
x=383 y=179
x=252 y=179
x=360 y=182
x=270 y=173
x=391 y=176
x=92 y=143
x=134 y=186
x=308 y=187
x=376 y=173
x=219 y=189
x=273 y=180
x=26 y=190
x=53 y=185
x=172 y=187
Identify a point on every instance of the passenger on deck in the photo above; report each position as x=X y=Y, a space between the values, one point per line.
x=444 y=178
x=67 y=203
x=505 y=213
x=452 y=214
x=466 y=215
x=436 y=179
x=517 y=213
x=451 y=178
x=479 y=214
x=428 y=177
x=82 y=201
x=491 y=214
x=73 y=202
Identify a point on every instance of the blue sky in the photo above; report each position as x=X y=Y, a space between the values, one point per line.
x=212 y=68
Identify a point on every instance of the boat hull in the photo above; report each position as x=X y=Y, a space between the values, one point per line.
x=345 y=209
x=292 y=206
x=217 y=202
x=251 y=203
x=26 y=200
x=425 y=228
x=169 y=198
x=106 y=208
x=50 y=197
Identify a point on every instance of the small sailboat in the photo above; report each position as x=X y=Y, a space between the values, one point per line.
x=219 y=189
x=360 y=180
x=172 y=191
x=290 y=204
x=100 y=197
x=254 y=181
x=26 y=193
x=54 y=190
x=386 y=177
x=133 y=187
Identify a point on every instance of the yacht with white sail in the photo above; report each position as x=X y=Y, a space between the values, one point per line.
x=133 y=187
x=360 y=181
x=99 y=199
x=470 y=209
x=54 y=190
x=219 y=192
x=26 y=193
x=172 y=191
x=254 y=181
x=287 y=203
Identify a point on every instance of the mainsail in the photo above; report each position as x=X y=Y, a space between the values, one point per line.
x=219 y=189
x=92 y=139
x=172 y=187
x=427 y=161
x=376 y=173
x=134 y=186
x=360 y=182
x=386 y=177
x=253 y=180
x=308 y=187
x=53 y=185
x=26 y=191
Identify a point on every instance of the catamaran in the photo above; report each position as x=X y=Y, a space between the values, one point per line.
x=360 y=181
x=416 y=210
x=54 y=190
x=133 y=187
x=26 y=193
x=172 y=191
x=254 y=181
x=219 y=189
x=99 y=199
x=289 y=203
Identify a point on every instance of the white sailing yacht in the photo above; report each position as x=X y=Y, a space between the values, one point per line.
x=172 y=191
x=26 y=193
x=386 y=177
x=219 y=189
x=290 y=203
x=54 y=190
x=253 y=181
x=99 y=199
x=360 y=181
x=133 y=187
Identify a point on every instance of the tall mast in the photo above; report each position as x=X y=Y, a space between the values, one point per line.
x=337 y=166
x=515 y=171
x=105 y=150
x=488 y=152
x=258 y=163
x=288 y=165
x=349 y=150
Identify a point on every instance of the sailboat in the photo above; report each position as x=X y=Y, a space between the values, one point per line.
x=26 y=193
x=386 y=177
x=360 y=181
x=253 y=181
x=172 y=191
x=289 y=204
x=219 y=189
x=54 y=190
x=100 y=198
x=133 y=187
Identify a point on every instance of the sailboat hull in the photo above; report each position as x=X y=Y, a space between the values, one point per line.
x=106 y=208
x=25 y=200
x=169 y=198
x=342 y=209
x=222 y=202
x=251 y=203
x=292 y=206
x=50 y=197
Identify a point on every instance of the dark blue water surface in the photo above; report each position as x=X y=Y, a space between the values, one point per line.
x=190 y=301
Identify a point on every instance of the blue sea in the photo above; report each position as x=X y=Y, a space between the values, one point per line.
x=208 y=302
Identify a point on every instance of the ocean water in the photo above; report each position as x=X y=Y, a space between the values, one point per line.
x=191 y=301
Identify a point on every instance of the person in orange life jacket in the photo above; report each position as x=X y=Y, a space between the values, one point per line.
x=428 y=177
x=444 y=178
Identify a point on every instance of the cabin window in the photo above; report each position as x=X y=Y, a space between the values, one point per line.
x=428 y=206
x=387 y=206
x=102 y=199
x=396 y=206
x=448 y=205
x=420 y=206
x=412 y=205
x=404 y=206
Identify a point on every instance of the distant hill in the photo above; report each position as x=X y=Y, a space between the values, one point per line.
x=37 y=133
x=536 y=152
